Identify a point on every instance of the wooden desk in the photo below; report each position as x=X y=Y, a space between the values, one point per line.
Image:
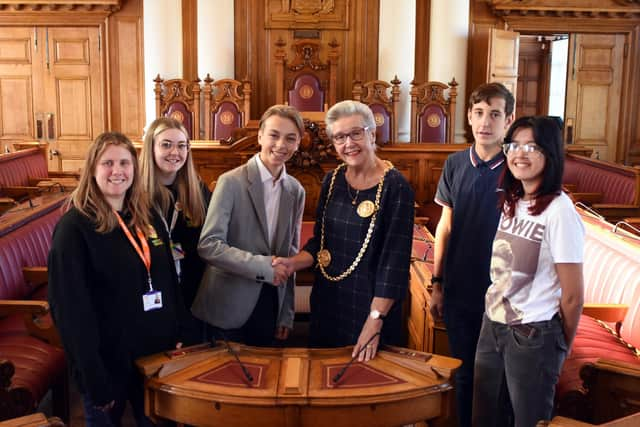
x=29 y=210
x=293 y=387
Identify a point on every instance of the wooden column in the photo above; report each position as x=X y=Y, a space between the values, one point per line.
x=423 y=28
x=190 y=39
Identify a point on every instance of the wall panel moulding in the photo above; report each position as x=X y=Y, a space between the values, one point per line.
x=92 y=6
x=567 y=8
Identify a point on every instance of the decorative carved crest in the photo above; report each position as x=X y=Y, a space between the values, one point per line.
x=311 y=14
x=307 y=55
x=315 y=147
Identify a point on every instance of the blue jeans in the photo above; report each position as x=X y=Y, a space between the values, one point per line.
x=463 y=329
x=516 y=371
x=132 y=392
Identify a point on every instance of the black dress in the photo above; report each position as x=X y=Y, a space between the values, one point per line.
x=339 y=309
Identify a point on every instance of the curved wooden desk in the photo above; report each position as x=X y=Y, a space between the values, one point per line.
x=294 y=387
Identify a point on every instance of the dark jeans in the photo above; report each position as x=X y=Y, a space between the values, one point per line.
x=463 y=330
x=260 y=327
x=517 y=368
x=132 y=391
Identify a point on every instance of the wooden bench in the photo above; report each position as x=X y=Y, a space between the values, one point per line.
x=611 y=189
x=28 y=340
x=24 y=174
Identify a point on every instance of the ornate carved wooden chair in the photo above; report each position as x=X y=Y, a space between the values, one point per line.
x=305 y=82
x=179 y=99
x=227 y=105
x=384 y=105
x=433 y=115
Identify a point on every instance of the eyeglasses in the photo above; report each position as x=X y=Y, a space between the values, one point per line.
x=168 y=146
x=513 y=147
x=356 y=134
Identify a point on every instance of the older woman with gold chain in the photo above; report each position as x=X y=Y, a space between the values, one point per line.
x=361 y=245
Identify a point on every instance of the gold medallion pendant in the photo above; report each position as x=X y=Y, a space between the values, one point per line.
x=366 y=208
x=324 y=258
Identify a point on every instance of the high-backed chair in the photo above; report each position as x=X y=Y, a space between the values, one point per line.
x=384 y=105
x=227 y=104
x=305 y=82
x=179 y=99
x=433 y=115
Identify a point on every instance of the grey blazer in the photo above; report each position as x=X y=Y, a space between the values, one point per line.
x=234 y=243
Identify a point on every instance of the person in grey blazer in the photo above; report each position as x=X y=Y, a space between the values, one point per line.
x=255 y=215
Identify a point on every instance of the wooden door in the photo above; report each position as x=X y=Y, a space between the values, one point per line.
x=594 y=78
x=73 y=92
x=52 y=89
x=18 y=46
x=534 y=58
x=503 y=58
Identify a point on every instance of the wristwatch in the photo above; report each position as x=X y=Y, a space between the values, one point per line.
x=375 y=315
x=436 y=279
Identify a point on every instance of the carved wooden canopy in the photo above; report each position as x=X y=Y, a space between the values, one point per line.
x=109 y=6
x=570 y=8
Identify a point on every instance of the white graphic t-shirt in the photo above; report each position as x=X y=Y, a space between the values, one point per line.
x=525 y=287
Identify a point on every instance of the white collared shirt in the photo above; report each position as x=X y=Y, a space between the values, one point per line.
x=272 y=189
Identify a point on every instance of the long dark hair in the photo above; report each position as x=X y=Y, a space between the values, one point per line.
x=546 y=134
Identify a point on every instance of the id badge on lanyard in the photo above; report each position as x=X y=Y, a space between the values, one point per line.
x=152 y=299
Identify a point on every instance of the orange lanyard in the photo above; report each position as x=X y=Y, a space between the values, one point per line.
x=144 y=253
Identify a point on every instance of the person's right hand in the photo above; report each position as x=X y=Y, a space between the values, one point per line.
x=287 y=263
x=280 y=275
x=436 y=305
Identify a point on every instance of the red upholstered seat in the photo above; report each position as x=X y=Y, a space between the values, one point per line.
x=17 y=173
x=593 y=341
x=383 y=99
x=179 y=99
x=616 y=183
x=226 y=107
x=307 y=94
x=38 y=364
x=433 y=115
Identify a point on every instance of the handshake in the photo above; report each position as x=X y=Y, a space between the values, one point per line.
x=282 y=269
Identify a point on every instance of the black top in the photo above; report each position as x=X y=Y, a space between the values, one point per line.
x=191 y=266
x=468 y=185
x=339 y=309
x=96 y=283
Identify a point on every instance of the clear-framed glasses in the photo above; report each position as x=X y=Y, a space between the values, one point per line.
x=512 y=147
x=356 y=134
x=166 y=146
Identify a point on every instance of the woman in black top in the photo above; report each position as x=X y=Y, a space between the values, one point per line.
x=112 y=288
x=177 y=193
x=362 y=241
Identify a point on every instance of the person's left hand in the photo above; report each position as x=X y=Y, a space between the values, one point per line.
x=282 y=333
x=370 y=328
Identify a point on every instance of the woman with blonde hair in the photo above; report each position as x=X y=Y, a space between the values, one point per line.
x=175 y=190
x=112 y=289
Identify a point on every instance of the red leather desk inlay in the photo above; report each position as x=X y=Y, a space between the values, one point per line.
x=230 y=374
x=357 y=375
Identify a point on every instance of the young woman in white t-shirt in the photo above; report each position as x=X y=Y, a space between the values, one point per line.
x=534 y=304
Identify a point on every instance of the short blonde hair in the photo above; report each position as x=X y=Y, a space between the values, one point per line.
x=286 y=112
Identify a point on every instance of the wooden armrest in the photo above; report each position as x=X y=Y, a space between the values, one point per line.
x=34 y=314
x=37 y=276
x=28 y=307
x=18 y=192
x=615 y=366
x=571 y=188
x=606 y=312
x=588 y=198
